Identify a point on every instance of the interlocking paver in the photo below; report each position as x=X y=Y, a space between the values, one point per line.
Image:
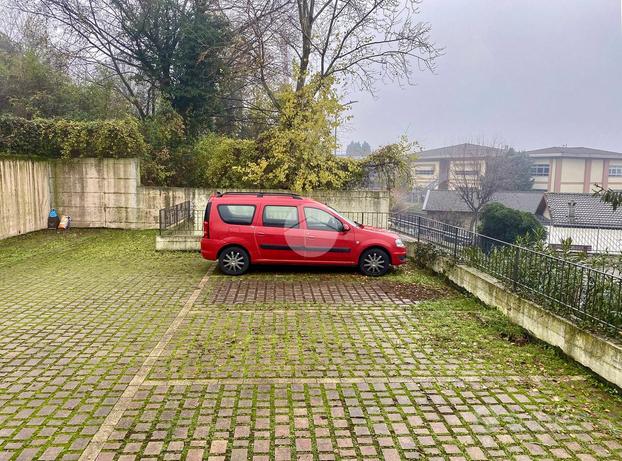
x=272 y=366
x=227 y=292
x=300 y=341
x=76 y=323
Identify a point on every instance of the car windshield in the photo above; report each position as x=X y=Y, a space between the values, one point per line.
x=349 y=221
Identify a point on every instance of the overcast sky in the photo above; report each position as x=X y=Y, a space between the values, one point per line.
x=526 y=73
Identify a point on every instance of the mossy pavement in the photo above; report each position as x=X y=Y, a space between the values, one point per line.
x=279 y=364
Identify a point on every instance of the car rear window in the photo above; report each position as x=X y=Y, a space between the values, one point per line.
x=237 y=214
x=208 y=208
x=280 y=216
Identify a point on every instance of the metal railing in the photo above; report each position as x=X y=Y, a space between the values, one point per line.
x=176 y=217
x=575 y=291
x=368 y=218
x=597 y=239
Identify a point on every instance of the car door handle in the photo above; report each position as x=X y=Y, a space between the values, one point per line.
x=311 y=236
x=261 y=233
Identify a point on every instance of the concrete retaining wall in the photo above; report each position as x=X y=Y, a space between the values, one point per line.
x=98 y=192
x=25 y=199
x=107 y=193
x=598 y=354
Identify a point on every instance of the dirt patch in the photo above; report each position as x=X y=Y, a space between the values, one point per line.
x=520 y=339
x=412 y=291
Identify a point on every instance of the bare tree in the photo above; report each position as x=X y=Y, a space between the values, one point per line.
x=476 y=174
x=361 y=40
x=135 y=41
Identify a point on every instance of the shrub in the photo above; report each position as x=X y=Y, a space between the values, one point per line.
x=60 y=138
x=216 y=158
x=507 y=224
x=424 y=254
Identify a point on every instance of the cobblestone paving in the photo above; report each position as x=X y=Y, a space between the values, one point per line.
x=325 y=293
x=275 y=365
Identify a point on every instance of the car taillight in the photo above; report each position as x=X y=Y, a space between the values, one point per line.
x=208 y=208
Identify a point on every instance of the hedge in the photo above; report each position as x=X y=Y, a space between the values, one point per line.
x=60 y=138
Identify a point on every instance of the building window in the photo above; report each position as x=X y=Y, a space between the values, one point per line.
x=424 y=171
x=466 y=173
x=615 y=170
x=540 y=169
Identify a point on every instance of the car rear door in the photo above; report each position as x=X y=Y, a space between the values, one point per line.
x=279 y=235
x=326 y=241
x=237 y=221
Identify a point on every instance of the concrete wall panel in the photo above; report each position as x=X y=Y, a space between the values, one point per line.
x=25 y=199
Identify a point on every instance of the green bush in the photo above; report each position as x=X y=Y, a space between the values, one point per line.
x=61 y=138
x=216 y=158
x=507 y=224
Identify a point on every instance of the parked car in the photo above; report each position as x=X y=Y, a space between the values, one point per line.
x=242 y=228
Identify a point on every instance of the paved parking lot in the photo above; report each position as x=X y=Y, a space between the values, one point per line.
x=109 y=350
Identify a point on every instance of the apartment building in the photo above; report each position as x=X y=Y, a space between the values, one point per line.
x=554 y=169
x=575 y=169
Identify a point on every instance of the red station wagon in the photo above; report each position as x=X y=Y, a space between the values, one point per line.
x=241 y=229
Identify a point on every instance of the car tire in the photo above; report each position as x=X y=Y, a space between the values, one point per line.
x=374 y=262
x=234 y=261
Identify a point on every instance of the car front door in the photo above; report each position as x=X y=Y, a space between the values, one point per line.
x=279 y=235
x=326 y=238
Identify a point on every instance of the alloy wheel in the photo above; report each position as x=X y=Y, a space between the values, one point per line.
x=374 y=263
x=233 y=261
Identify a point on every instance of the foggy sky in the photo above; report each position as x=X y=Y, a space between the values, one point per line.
x=526 y=73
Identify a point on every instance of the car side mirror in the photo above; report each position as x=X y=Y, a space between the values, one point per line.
x=345 y=228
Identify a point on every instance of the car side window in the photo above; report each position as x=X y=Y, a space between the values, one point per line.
x=237 y=214
x=317 y=219
x=280 y=216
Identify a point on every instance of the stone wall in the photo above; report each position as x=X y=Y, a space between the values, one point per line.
x=107 y=193
x=25 y=199
x=600 y=355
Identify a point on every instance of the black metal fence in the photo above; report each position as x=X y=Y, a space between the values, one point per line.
x=576 y=291
x=176 y=217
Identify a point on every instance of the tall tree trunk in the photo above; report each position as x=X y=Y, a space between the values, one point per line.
x=305 y=13
x=475 y=221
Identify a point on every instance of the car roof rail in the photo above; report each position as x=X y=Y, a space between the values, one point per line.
x=261 y=194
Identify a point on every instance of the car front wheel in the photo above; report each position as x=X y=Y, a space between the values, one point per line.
x=234 y=261
x=374 y=262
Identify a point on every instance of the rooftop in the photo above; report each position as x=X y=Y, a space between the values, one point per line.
x=450 y=200
x=589 y=211
x=460 y=151
x=477 y=151
x=581 y=152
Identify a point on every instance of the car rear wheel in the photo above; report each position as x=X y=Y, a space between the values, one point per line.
x=374 y=262
x=234 y=261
